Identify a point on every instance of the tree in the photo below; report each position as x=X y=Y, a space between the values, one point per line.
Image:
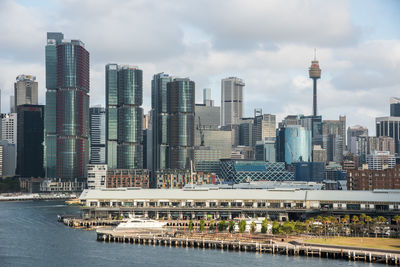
x=212 y=225
x=222 y=226
x=242 y=226
x=231 y=226
x=202 y=225
x=368 y=221
x=191 y=226
x=300 y=227
x=264 y=226
x=275 y=228
x=354 y=223
x=253 y=227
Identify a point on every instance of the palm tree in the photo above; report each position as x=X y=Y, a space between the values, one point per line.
x=396 y=219
x=355 y=221
x=368 y=220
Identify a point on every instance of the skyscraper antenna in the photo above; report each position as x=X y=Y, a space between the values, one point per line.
x=315 y=53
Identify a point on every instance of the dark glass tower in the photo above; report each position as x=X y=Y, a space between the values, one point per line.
x=30 y=141
x=50 y=149
x=72 y=114
x=159 y=104
x=124 y=96
x=181 y=105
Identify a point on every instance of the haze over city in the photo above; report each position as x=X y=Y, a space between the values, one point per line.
x=357 y=42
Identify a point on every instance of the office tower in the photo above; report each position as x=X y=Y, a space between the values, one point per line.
x=207 y=117
x=315 y=74
x=334 y=136
x=289 y=120
x=146 y=121
x=354 y=131
x=380 y=160
x=1 y=160
x=50 y=112
x=30 y=141
x=265 y=150
x=246 y=132
x=231 y=101
x=97 y=135
x=389 y=127
x=67 y=110
x=12 y=104
x=360 y=148
x=395 y=107
x=264 y=127
x=124 y=96
x=9 y=156
x=25 y=90
x=9 y=127
x=130 y=116
x=293 y=144
x=381 y=143
x=318 y=154
x=181 y=134
x=314 y=124
x=207 y=101
x=159 y=121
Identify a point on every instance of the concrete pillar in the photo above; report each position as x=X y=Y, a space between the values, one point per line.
x=157 y=215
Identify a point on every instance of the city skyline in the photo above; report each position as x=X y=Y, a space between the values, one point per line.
x=272 y=64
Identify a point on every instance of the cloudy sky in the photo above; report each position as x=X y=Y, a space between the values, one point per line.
x=267 y=43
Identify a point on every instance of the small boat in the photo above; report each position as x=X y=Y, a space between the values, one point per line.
x=74 y=201
x=140 y=223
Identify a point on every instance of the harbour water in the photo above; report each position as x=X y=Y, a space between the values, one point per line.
x=31 y=236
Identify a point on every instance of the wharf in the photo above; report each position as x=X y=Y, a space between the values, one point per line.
x=172 y=239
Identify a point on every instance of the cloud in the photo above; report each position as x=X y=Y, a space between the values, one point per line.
x=270 y=44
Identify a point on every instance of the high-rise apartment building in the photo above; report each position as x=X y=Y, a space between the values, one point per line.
x=97 y=135
x=25 y=90
x=30 y=141
x=124 y=96
x=381 y=143
x=390 y=127
x=181 y=129
x=380 y=160
x=67 y=110
x=231 y=101
x=159 y=121
x=9 y=128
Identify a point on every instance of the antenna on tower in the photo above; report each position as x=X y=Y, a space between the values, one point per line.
x=315 y=53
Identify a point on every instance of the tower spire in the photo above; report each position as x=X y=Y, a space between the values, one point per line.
x=315 y=73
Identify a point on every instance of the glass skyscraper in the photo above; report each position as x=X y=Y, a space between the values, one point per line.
x=181 y=107
x=67 y=108
x=124 y=96
x=159 y=104
x=72 y=110
x=293 y=144
x=50 y=148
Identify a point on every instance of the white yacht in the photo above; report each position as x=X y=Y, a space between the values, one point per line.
x=140 y=223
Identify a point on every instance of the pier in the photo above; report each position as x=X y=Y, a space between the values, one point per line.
x=174 y=239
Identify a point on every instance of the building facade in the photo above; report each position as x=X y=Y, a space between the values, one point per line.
x=96 y=176
x=30 y=141
x=231 y=100
x=373 y=179
x=169 y=179
x=389 y=127
x=380 y=160
x=128 y=178
x=264 y=127
x=9 y=127
x=354 y=131
x=97 y=135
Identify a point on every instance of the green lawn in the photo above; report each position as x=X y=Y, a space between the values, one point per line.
x=366 y=242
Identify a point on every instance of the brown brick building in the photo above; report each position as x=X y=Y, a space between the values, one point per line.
x=373 y=179
x=128 y=178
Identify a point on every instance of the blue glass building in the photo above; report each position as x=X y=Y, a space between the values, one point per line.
x=293 y=144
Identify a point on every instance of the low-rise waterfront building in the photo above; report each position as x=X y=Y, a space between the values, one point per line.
x=180 y=178
x=231 y=203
